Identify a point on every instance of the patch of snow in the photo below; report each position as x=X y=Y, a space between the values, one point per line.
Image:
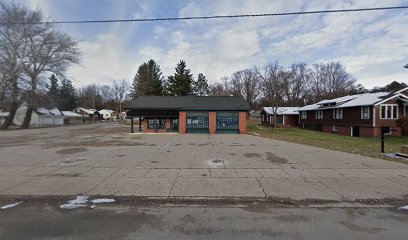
x=103 y=200
x=403 y=208
x=215 y=163
x=10 y=205
x=78 y=202
x=92 y=206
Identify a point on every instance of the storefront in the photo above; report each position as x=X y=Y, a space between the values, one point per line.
x=190 y=114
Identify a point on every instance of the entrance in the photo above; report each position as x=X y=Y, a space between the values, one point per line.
x=355 y=131
x=174 y=126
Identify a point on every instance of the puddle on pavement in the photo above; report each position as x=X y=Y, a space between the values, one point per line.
x=275 y=159
x=121 y=155
x=72 y=150
x=204 y=144
x=252 y=155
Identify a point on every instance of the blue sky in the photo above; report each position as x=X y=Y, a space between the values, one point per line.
x=372 y=45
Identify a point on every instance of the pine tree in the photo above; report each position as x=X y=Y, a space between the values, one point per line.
x=68 y=96
x=53 y=92
x=148 y=80
x=180 y=83
x=201 y=86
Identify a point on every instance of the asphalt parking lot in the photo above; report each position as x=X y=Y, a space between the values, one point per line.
x=104 y=159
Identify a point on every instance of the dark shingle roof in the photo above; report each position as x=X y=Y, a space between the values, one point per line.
x=188 y=103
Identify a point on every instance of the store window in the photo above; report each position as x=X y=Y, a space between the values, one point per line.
x=156 y=123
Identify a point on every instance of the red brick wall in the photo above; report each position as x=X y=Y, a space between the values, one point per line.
x=144 y=122
x=212 y=122
x=242 y=122
x=182 y=122
x=292 y=120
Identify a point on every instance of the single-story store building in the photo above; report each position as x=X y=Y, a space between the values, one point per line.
x=190 y=114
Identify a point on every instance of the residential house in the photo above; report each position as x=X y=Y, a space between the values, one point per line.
x=88 y=114
x=190 y=114
x=71 y=117
x=285 y=116
x=39 y=117
x=107 y=114
x=357 y=115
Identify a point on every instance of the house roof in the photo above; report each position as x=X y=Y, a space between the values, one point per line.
x=282 y=110
x=87 y=111
x=105 y=111
x=365 y=99
x=4 y=114
x=220 y=103
x=70 y=114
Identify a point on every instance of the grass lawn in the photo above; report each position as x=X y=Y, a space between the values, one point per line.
x=359 y=145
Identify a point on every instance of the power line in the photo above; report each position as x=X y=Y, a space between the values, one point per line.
x=221 y=16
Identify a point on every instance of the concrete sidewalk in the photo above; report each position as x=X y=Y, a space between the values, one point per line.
x=105 y=160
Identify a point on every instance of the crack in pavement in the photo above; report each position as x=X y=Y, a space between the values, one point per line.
x=260 y=185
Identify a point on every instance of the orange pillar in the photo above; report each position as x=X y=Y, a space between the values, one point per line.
x=242 y=122
x=182 y=122
x=145 y=125
x=212 y=122
x=167 y=124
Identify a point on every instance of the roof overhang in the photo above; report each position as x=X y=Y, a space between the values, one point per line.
x=404 y=98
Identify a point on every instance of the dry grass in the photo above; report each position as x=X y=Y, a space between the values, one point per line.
x=358 y=145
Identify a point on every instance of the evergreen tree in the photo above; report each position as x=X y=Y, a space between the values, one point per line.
x=201 y=86
x=53 y=91
x=180 y=83
x=148 y=80
x=68 y=96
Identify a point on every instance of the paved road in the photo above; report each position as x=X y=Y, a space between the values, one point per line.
x=193 y=222
x=104 y=159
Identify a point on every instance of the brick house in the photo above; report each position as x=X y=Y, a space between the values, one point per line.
x=285 y=116
x=190 y=114
x=357 y=115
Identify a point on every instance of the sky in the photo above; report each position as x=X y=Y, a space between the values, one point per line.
x=372 y=45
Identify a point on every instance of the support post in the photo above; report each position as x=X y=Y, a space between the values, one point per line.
x=140 y=124
x=383 y=131
x=131 y=125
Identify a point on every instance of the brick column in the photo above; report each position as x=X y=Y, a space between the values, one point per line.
x=182 y=122
x=242 y=122
x=145 y=125
x=212 y=122
x=168 y=124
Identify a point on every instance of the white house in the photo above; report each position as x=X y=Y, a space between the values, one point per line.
x=71 y=117
x=106 y=114
x=39 y=117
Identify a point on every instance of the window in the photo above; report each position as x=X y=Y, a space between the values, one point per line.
x=197 y=121
x=365 y=112
x=303 y=115
x=406 y=110
x=156 y=123
x=389 y=111
x=319 y=114
x=338 y=113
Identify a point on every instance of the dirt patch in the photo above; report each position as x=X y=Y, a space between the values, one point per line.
x=72 y=150
x=293 y=218
x=59 y=175
x=204 y=144
x=357 y=228
x=275 y=159
x=252 y=155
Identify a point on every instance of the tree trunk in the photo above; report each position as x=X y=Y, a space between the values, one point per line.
x=27 y=119
x=14 y=105
x=9 y=119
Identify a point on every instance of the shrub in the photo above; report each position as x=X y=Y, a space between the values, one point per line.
x=403 y=124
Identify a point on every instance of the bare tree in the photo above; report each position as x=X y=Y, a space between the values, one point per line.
x=273 y=78
x=106 y=93
x=48 y=51
x=217 y=89
x=331 y=80
x=297 y=86
x=12 y=48
x=120 y=89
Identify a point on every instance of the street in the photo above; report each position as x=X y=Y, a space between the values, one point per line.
x=113 y=221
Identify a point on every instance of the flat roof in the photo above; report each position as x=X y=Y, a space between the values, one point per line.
x=204 y=103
